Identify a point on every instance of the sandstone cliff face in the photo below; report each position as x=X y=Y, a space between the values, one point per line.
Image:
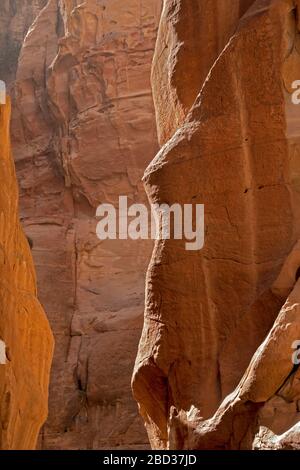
x=231 y=142
x=16 y=16
x=84 y=131
x=26 y=343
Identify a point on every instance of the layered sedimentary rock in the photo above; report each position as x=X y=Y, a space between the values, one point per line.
x=230 y=139
x=26 y=342
x=84 y=131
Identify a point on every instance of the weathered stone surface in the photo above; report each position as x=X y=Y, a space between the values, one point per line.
x=16 y=16
x=236 y=150
x=26 y=341
x=287 y=441
x=84 y=131
x=190 y=39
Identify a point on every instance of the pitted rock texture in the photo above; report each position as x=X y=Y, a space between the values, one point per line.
x=84 y=131
x=230 y=139
x=26 y=342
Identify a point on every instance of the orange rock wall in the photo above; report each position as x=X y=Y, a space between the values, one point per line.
x=83 y=132
x=230 y=140
x=26 y=342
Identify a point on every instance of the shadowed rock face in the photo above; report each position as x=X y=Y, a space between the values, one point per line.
x=83 y=132
x=26 y=343
x=231 y=142
x=16 y=16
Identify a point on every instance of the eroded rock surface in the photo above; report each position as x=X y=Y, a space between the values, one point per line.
x=16 y=17
x=84 y=131
x=231 y=142
x=26 y=342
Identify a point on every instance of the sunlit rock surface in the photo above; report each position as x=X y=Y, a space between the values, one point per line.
x=26 y=342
